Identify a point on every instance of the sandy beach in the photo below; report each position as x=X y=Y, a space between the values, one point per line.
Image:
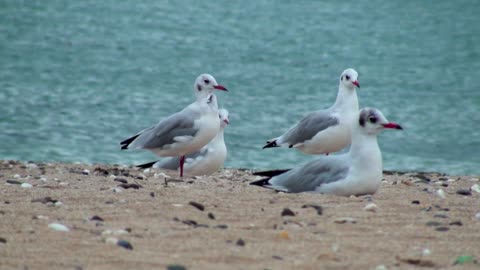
x=75 y=216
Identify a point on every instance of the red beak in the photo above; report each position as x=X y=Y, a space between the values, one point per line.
x=356 y=83
x=226 y=121
x=220 y=87
x=392 y=125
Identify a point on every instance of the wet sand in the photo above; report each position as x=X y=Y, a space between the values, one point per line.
x=222 y=222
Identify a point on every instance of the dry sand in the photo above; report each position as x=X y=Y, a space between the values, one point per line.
x=241 y=226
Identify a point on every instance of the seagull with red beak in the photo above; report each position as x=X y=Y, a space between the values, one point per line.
x=325 y=131
x=358 y=172
x=207 y=160
x=186 y=131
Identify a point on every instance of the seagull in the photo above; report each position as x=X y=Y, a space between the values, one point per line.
x=206 y=161
x=357 y=172
x=186 y=131
x=329 y=130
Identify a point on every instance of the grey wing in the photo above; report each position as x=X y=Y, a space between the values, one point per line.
x=308 y=127
x=309 y=177
x=167 y=131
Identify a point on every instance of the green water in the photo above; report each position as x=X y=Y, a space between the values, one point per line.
x=77 y=77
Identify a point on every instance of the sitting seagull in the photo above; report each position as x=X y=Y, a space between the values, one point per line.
x=186 y=131
x=325 y=131
x=206 y=161
x=358 y=172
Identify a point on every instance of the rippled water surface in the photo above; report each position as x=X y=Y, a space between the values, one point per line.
x=77 y=77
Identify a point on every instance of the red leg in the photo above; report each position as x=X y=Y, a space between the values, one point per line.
x=182 y=161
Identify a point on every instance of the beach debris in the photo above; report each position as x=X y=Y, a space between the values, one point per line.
x=284 y=235
x=125 y=244
x=44 y=200
x=26 y=185
x=441 y=193
x=96 y=218
x=211 y=216
x=318 y=208
x=3 y=240
x=464 y=259
x=13 y=182
x=176 y=267
x=475 y=188
x=433 y=224
x=456 y=223
x=197 y=205
x=442 y=229
x=371 y=207
x=440 y=216
x=240 y=242
x=343 y=220
x=221 y=226
x=152 y=194
x=287 y=212
x=477 y=215
x=117 y=189
x=111 y=240
x=177 y=205
x=86 y=172
x=417 y=262
x=415 y=202
x=121 y=180
x=464 y=192
x=426 y=252
x=131 y=185
x=58 y=227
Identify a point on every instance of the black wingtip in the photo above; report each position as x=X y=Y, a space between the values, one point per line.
x=262 y=182
x=147 y=165
x=271 y=144
x=128 y=141
x=271 y=173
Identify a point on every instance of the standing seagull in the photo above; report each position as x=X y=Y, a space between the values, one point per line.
x=358 y=172
x=206 y=161
x=186 y=131
x=325 y=131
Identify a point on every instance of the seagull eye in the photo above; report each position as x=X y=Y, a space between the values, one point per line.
x=347 y=77
x=206 y=81
x=372 y=119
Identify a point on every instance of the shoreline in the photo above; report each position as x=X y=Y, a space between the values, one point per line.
x=121 y=217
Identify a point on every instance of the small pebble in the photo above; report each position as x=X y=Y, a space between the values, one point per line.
x=415 y=202
x=176 y=267
x=3 y=240
x=477 y=215
x=177 y=205
x=381 y=267
x=117 y=189
x=426 y=252
x=433 y=224
x=221 y=226
x=96 y=218
x=132 y=185
x=316 y=207
x=211 y=216
x=125 y=244
x=277 y=257
x=199 y=206
x=451 y=180
x=287 y=212
x=152 y=194
x=344 y=220
x=371 y=207
x=240 y=242
x=111 y=240
x=121 y=180
x=284 y=235
x=442 y=229
x=464 y=192
x=85 y=172
x=441 y=193
x=16 y=176
x=456 y=223
x=440 y=216
x=14 y=182
x=58 y=227
x=58 y=203
x=26 y=185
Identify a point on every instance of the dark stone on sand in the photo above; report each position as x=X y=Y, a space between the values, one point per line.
x=440 y=216
x=47 y=199
x=140 y=177
x=240 y=242
x=456 y=223
x=197 y=205
x=176 y=267
x=125 y=244
x=190 y=222
x=96 y=218
x=316 y=207
x=287 y=212
x=415 y=202
x=464 y=192
x=442 y=229
x=132 y=185
x=121 y=180
x=277 y=257
x=3 y=240
x=221 y=226
x=100 y=171
x=433 y=223
x=152 y=194
x=14 y=182
x=211 y=216
x=444 y=185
